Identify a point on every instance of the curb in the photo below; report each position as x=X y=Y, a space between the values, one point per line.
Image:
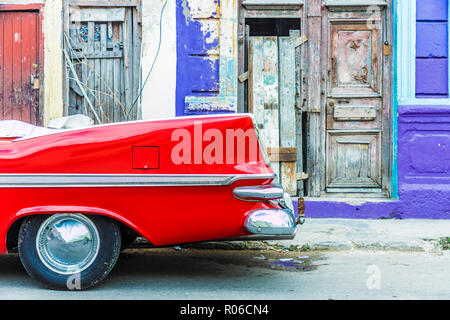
x=431 y=246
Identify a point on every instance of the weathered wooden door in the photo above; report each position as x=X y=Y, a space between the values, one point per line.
x=273 y=74
x=19 y=66
x=357 y=115
x=355 y=86
x=103 y=50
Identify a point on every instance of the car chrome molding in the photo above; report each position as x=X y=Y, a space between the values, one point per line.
x=123 y=180
x=258 y=193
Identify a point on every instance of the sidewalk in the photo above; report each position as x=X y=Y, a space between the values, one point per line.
x=385 y=234
x=347 y=234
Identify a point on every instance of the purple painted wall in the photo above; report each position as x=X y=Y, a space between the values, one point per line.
x=423 y=135
x=423 y=171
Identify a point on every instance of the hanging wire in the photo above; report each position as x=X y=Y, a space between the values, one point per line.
x=154 y=60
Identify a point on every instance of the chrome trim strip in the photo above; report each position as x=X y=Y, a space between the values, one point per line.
x=122 y=180
x=258 y=193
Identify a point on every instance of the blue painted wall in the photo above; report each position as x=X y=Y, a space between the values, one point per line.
x=197 y=72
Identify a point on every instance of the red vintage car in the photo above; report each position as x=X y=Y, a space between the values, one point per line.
x=72 y=199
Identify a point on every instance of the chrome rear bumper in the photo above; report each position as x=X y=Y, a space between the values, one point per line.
x=269 y=223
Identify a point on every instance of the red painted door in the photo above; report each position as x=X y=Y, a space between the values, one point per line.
x=19 y=66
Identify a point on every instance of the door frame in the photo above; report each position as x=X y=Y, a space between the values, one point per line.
x=40 y=50
x=388 y=95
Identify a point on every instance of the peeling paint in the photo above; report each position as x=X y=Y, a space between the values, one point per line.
x=186 y=11
x=203 y=9
x=208 y=31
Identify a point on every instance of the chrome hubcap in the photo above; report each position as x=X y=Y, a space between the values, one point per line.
x=67 y=243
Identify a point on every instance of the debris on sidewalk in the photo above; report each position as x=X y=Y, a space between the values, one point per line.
x=261 y=257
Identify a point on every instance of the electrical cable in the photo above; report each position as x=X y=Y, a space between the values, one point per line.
x=154 y=60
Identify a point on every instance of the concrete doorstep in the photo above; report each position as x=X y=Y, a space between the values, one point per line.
x=347 y=234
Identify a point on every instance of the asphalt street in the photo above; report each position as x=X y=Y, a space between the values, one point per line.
x=252 y=274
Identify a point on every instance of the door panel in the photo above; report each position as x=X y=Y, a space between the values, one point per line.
x=19 y=66
x=353 y=159
x=355 y=52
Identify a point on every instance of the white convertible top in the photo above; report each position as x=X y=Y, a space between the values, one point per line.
x=20 y=129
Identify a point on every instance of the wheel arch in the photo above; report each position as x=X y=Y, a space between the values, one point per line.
x=14 y=227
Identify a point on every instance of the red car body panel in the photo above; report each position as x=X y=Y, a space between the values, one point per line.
x=164 y=214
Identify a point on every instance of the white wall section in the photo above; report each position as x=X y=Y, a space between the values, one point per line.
x=158 y=95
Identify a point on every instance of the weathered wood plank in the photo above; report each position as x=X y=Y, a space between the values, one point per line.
x=353 y=113
x=315 y=148
x=256 y=87
x=270 y=4
x=89 y=47
x=103 y=74
x=84 y=78
x=282 y=154
x=117 y=90
x=287 y=109
x=137 y=39
x=301 y=65
x=104 y=3
x=97 y=14
x=128 y=61
x=271 y=96
x=99 y=55
x=122 y=76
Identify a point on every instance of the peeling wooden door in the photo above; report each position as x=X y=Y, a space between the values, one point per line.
x=356 y=100
x=19 y=66
x=273 y=74
x=104 y=51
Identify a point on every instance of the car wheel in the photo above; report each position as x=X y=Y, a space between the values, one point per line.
x=69 y=251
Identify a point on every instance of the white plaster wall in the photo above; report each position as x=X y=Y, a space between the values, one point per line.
x=158 y=96
x=53 y=65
